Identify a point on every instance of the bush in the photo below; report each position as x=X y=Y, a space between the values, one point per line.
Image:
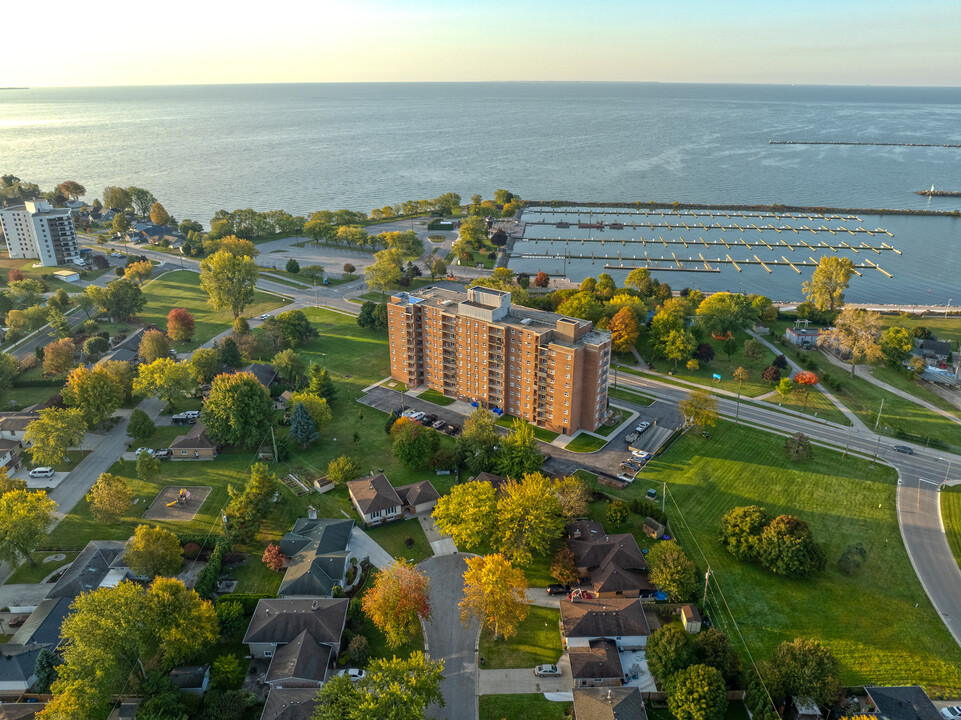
x=191 y=550
x=207 y=580
x=248 y=601
x=358 y=650
x=230 y=617
x=409 y=542
x=293 y=267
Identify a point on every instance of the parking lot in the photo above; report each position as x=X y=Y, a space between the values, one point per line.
x=606 y=461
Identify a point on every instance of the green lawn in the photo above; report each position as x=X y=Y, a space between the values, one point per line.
x=946 y=328
x=541 y=434
x=181 y=288
x=815 y=403
x=864 y=618
x=585 y=443
x=435 y=397
x=720 y=364
x=630 y=396
x=393 y=538
x=950 y=500
x=902 y=381
x=537 y=641
x=524 y=707
x=279 y=276
x=255 y=577
x=27 y=573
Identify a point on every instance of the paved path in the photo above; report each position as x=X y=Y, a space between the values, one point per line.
x=523 y=680
x=441 y=544
x=450 y=640
x=363 y=545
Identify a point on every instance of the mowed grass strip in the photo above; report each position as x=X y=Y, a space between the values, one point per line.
x=181 y=288
x=879 y=623
x=537 y=642
x=532 y=706
x=950 y=499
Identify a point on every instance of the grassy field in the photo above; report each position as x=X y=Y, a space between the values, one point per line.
x=946 y=328
x=586 y=443
x=863 y=618
x=950 y=499
x=816 y=404
x=181 y=288
x=720 y=364
x=393 y=538
x=507 y=421
x=44 y=274
x=435 y=397
x=537 y=641
x=902 y=381
x=528 y=707
x=27 y=573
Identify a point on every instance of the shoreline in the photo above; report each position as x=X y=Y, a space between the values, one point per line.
x=774 y=207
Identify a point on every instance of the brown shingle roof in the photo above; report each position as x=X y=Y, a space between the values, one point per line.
x=417 y=493
x=600 y=660
x=609 y=704
x=196 y=438
x=603 y=617
x=373 y=494
x=614 y=563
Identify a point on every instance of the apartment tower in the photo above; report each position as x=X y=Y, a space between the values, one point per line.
x=477 y=347
x=36 y=229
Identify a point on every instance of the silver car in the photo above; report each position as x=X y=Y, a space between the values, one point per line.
x=547 y=671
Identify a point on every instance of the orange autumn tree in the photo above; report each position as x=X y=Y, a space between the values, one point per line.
x=624 y=330
x=398 y=600
x=805 y=381
x=180 y=325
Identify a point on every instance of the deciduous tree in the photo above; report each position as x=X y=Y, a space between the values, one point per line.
x=788 y=548
x=413 y=444
x=58 y=357
x=672 y=571
x=273 y=558
x=142 y=199
x=495 y=593
x=624 y=330
x=785 y=388
x=53 y=433
x=180 y=325
x=153 y=346
x=713 y=648
x=205 y=364
x=320 y=382
x=519 y=453
x=573 y=496
x=697 y=693
x=109 y=498
x=853 y=557
x=120 y=224
x=238 y=410
x=342 y=469
x=166 y=379
x=798 y=447
x=94 y=392
x=467 y=513
x=121 y=299
x=805 y=668
x=699 y=409
x=72 y=189
x=564 y=567
x=828 y=283
x=154 y=551
x=669 y=650
x=857 y=333
x=475 y=444
x=290 y=366
x=740 y=531
x=229 y=280
x=148 y=467
x=138 y=271
x=317 y=407
x=398 y=601
x=159 y=214
x=528 y=518
x=541 y=280
x=25 y=518
x=678 y=346
x=771 y=374
x=384 y=273
x=724 y=313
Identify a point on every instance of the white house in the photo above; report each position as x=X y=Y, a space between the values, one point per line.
x=375 y=499
x=619 y=619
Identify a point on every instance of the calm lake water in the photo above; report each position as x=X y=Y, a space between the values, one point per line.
x=310 y=147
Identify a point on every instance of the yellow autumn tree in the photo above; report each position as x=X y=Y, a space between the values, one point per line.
x=495 y=593
x=624 y=330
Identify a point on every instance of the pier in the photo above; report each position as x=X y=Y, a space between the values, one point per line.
x=855 y=142
x=797 y=244
x=691 y=213
x=711 y=226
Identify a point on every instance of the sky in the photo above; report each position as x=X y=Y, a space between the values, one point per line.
x=839 y=42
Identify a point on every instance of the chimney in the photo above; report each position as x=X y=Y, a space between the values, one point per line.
x=609 y=698
x=311 y=512
x=313 y=605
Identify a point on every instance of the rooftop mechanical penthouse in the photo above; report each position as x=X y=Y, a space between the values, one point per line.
x=477 y=347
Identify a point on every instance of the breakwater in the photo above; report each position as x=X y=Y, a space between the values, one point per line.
x=855 y=142
x=775 y=207
x=939 y=193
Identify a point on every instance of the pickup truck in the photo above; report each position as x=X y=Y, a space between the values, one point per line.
x=632 y=437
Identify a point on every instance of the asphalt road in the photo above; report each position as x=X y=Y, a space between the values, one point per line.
x=450 y=640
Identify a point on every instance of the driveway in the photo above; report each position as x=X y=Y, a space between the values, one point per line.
x=26 y=596
x=441 y=544
x=362 y=545
x=523 y=680
x=450 y=640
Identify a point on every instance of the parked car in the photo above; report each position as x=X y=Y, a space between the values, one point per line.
x=182 y=419
x=642 y=454
x=642 y=427
x=144 y=449
x=903 y=449
x=547 y=671
x=264 y=316
x=354 y=674
x=116 y=254
x=951 y=713
x=192 y=414
x=452 y=430
x=428 y=420
x=439 y=424
x=556 y=589
x=628 y=468
x=632 y=464
x=409 y=412
x=163 y=454
x=632 y=437
x=41 y=472
x=626 y=478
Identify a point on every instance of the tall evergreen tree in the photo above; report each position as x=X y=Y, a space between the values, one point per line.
x=303 y=429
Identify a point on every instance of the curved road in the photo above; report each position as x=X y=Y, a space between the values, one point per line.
x=450 y=640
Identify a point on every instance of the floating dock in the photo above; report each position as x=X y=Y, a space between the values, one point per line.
x=590 y=212
x=797 y=244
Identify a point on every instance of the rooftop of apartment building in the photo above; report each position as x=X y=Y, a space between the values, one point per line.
x=494 y=306
x=40 y=207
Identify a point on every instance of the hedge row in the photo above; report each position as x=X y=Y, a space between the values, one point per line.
x=207 y=580
x=248 y=601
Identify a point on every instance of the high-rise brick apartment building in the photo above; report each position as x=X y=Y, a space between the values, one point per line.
x=476 y=346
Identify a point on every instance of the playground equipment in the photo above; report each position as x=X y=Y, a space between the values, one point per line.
x=182 y=498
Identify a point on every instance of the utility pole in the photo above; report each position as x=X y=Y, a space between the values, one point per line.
x=737 y=406
x=878 y=421
x=664 y=497
x=877 y=449
x=847 y=443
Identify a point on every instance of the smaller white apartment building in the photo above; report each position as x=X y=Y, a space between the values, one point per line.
x=36 y=229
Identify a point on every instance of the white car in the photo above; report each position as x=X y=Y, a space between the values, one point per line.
x=41 y=472
x=144 y=449
x=263 y=317
x=353 y=673
x=951 y=713
x=116 y=254
x=192 y=414
x=418 y=416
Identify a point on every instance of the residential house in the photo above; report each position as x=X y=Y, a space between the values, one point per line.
x=290 y=704
x=282 y=400
x=14 y=424
x=418 y=498
x=597 y=665
x=902 y=703
x=21 y=710
x=621 y=619
x=100 y=564
x=11 y=455
x=301 y=663
x=613 y=564
x=194 y=445
x=803 y=337
x=691 y=619
x=375 y=499
x=318 y=552
x=127 y=350
x=43 y=626
x=191 y=679
x=609 y=704
x=935 y=352
x=107 y=215
x=266 y=374
x=16 y=667
x=496 y=481
x=278 y=621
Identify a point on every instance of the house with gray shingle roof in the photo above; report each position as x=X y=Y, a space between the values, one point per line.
x=418 y=498
x=290 y=704
x=609 y=703
x=583 y=621
x=597 y=665
x=96 y=561
x=318 y=552
x=278 y=621
x=43 y=625
x=614 y=563
x=375 y=499
x=902 y=703
x=16 y=667
x=302 y=662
